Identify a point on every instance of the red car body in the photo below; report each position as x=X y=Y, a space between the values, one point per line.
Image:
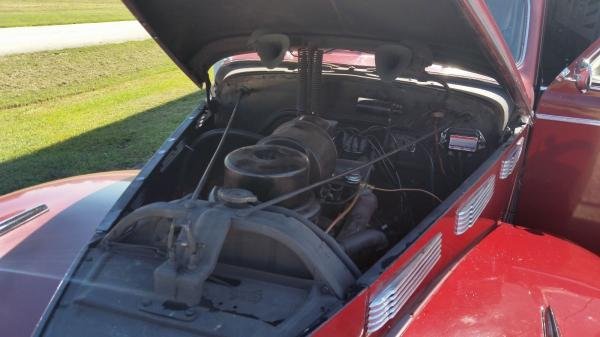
x=497 y=279
x=35 y=257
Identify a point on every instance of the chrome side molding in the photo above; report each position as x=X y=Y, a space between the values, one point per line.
x=549 y=326
x=21 y=218
x=470 y=211
x=571 y=120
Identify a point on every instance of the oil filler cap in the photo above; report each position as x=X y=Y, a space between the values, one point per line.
x=236 y=197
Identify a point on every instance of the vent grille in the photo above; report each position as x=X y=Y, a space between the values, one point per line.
x=509 y=164
x=472 y=209
x=387 y=303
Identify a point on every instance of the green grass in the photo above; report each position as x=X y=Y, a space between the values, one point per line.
x=86 y=110
x=14 y=13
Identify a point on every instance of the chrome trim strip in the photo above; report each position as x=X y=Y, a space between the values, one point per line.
x=387 y=303
x=549 y=326
x=21 y=218
x=471 y=210
x=572 y=120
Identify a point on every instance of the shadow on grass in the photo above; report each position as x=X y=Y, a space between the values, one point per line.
x=121 y=145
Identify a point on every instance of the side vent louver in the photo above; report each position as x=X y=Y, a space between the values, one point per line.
x=388 y=302
x=509 y=164
x=470 y=211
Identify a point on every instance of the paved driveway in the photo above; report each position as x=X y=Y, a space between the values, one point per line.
x=32 y=39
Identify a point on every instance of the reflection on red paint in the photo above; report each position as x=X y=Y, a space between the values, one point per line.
x=500 y=287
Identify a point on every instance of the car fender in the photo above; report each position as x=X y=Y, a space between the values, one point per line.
x=35 y=254
x=515 y=282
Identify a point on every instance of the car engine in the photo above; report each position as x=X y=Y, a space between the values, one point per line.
x=266 y=225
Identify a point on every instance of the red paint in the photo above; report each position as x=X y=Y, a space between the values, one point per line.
x=484 y=284
x=453 y=247
x=35 y=256
x=561 y=185
x=499 y=288
x=349 y=322
x=57 y=195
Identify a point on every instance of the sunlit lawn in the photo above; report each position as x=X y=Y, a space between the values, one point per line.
x=51 y=12
x=85 y=110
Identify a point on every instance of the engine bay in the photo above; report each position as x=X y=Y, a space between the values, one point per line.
x=290 y=185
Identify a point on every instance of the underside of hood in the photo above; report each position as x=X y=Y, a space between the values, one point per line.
x=456 y=33
x=198 y=33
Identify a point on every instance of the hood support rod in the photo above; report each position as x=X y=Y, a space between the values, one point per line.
x=206 y=173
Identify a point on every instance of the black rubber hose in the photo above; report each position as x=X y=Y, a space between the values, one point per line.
x=206 y=173
x=366 y=239
x=329 y=240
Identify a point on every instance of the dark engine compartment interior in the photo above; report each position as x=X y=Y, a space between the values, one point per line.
x=211 y=259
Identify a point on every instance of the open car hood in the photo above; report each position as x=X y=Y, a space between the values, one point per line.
x=458 y=33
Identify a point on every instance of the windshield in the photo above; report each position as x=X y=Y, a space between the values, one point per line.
x=512 y=17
